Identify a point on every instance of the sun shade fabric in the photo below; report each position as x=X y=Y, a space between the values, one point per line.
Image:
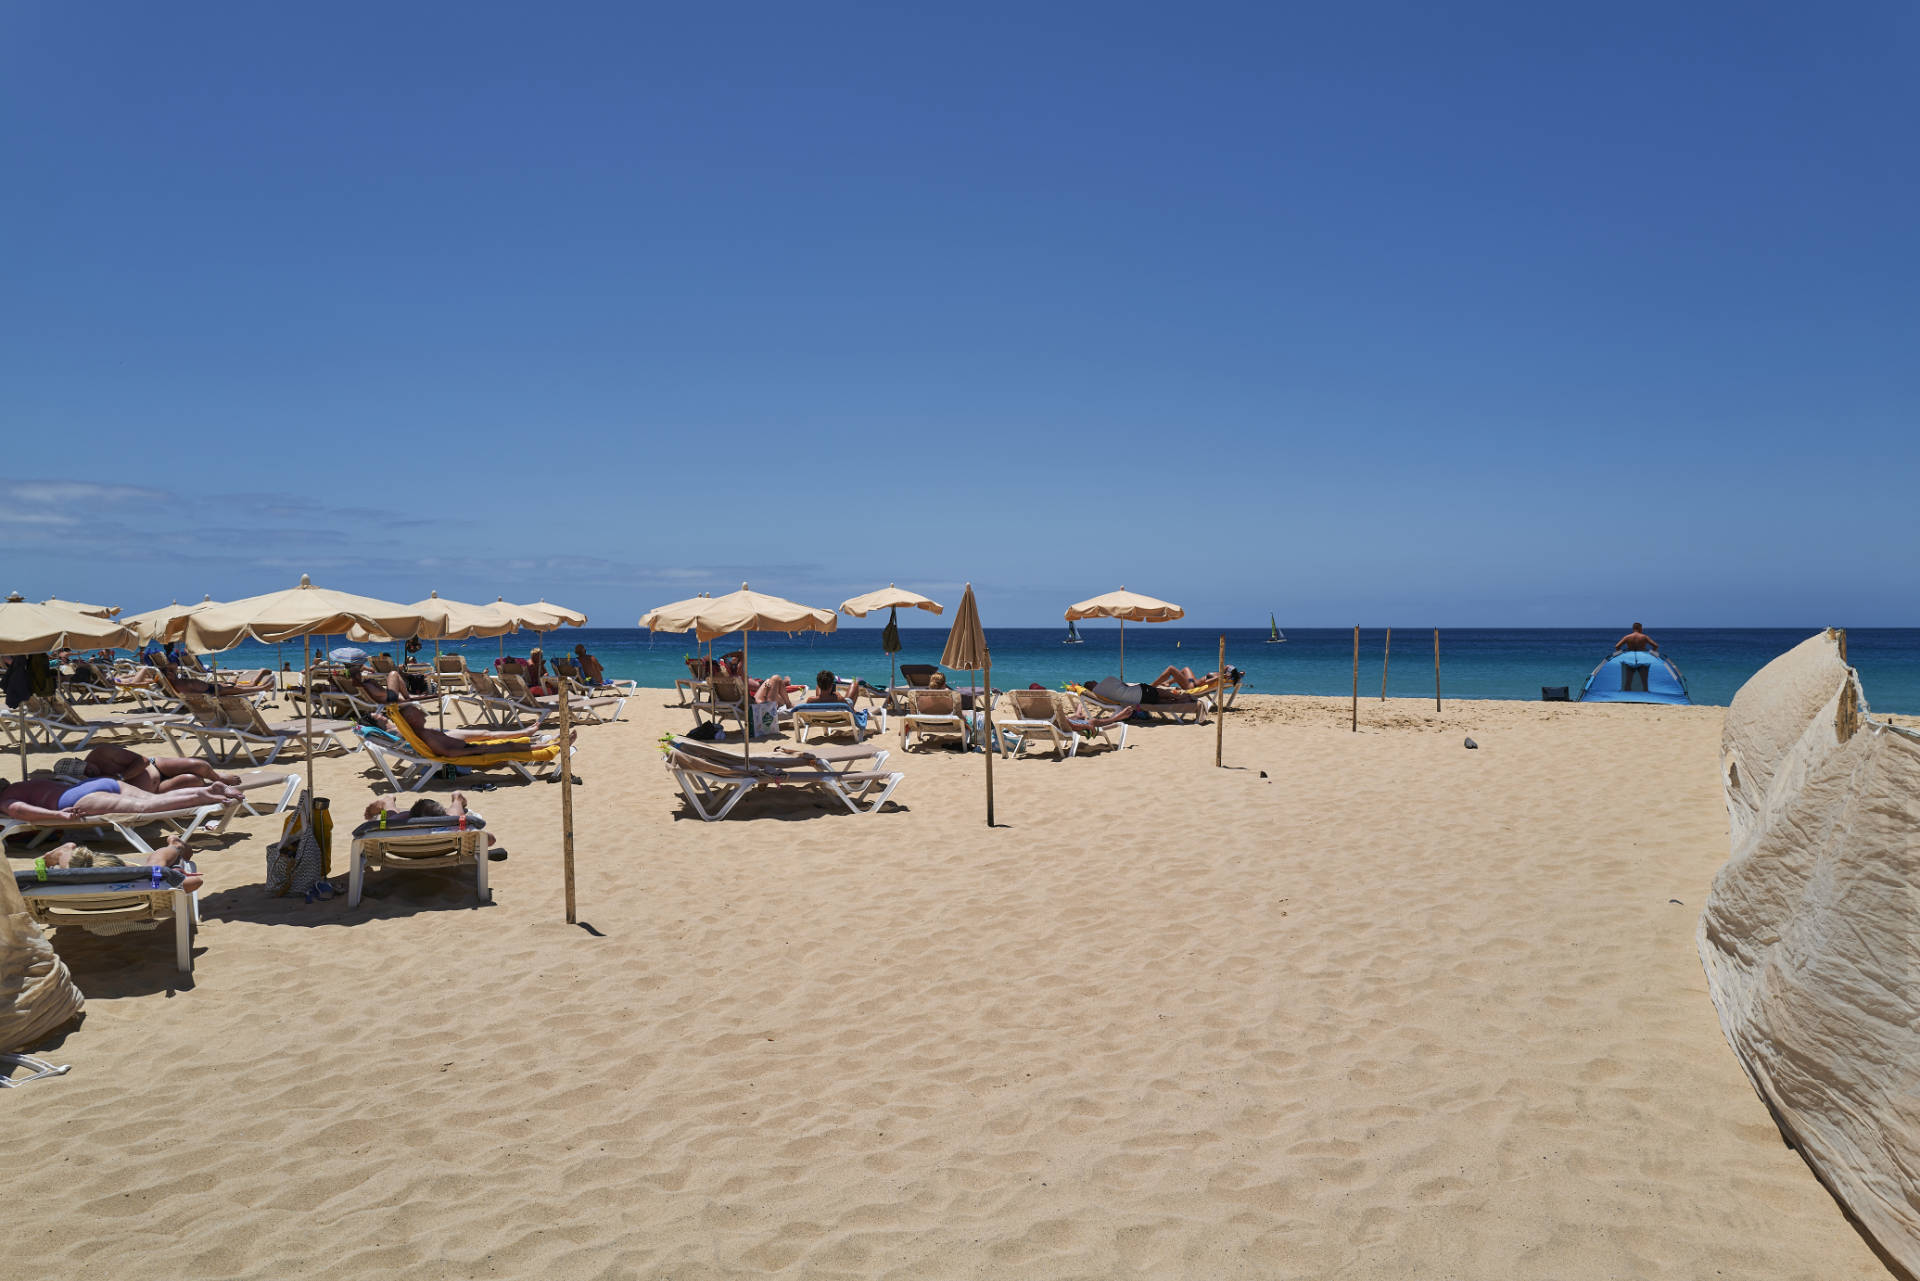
x=37 y=996
x=28 y=628
x=1128 y=606
x=889 y=597
x=169 y=622
x=305 y=610
x=1808 y=932
x=966 y=649
x=96 y=611
x=560 y=613
x=741 y=611
x=443 y=619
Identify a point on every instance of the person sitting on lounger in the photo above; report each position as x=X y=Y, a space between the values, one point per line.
x=172 y=854
x=391 y=688
x=826 y=689
x=156 y=774
x=591 y=672
x=1114 y=690
x=469 y=743
x=54 y=800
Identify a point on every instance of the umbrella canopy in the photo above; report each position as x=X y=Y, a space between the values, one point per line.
x=167 y=622
x=889 y=597
x=741 y=611
x=27 y=628
x=305 y=610
x=74 y=606
x=508 y=617
x=1127 y=606
x=444 y=619
x=347 y=654
x=570 y=617
x=967 y=643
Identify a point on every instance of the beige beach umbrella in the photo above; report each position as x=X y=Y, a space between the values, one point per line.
x=168 y=622
x=891 y=599
x=1128 y=607
x=93 y=611
x=744 y=611
x=567 y=617
x=967 y=651
x=301 y=612
x=28 y=628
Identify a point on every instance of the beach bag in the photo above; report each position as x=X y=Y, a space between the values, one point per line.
x=303 y=856
x=764 y=718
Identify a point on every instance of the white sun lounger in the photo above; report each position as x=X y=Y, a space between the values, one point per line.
x=714 y=779
x=109 y=906
x=185 y=822
x=424 y=842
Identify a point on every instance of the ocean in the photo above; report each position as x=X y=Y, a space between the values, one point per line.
x=1474 y=662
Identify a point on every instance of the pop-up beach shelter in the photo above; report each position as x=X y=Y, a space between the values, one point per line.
x=744 y=611
x=27 y=628
x=1127 y=607
x=892 y=599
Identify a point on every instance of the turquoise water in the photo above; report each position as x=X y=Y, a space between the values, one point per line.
x=1475 y=663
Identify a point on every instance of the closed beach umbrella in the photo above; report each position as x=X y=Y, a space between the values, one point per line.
x=27 y=628
x=301 y=612
x=892 y=599
x=966 y=651
x=744 y=611
x=1128 y=607
x=92 y=611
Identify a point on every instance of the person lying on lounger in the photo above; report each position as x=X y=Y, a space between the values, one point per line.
x=469 y=743
x=775 y=689
x=1183 y=677
x=153 y=774
x=427 y=807
x=389 y=689
x=194 y=685
x=54 y=800
x=172 y=854
x=1114 y=690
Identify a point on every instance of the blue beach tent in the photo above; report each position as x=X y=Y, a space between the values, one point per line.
x=1636 y=677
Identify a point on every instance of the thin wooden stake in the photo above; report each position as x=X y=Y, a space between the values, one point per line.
x=1220 y=708
x=986 y=719
x=1436 y=669
x=1356 y=678
x=566 y=799
x=1386 y=656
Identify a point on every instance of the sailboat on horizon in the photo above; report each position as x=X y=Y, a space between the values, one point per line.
x=1274 y=635
x=1073 y=635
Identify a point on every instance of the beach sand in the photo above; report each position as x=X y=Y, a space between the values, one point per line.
x=1393 y=1009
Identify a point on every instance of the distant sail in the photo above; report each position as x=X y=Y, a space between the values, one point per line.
x=1274 y=635
x=1073 y=634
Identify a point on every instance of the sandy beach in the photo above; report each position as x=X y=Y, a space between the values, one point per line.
x=1360 y=1005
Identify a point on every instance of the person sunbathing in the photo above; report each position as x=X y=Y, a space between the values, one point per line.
x=1183 y=677
x=1112 y=689
x=391 y=689
x=194 y=685
x=775 y=689
x=158 y=774
x=455 y=809
x=468 y=743
x=590 y=670
x=173 y=854
x=54 y=800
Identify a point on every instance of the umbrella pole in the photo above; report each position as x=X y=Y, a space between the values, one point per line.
x=987 y=720
x=23 y=742
x=1123 y=649
x=746 y=699
x=307 y=659
x=566 y=800
x=436 y=685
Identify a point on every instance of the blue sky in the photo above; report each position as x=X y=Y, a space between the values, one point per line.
x=1398 y=314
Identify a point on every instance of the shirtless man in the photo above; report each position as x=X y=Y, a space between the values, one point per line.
x=172 y=854
x=55 y=800
x=469 y=743
x=158 y=774
x=590 y=670
x=186 y=684
x=1114 y=690
x=1637 y=641
x=1183 y=677
x=427 y=807
x=394 y=690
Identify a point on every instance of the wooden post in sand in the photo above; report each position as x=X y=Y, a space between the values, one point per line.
x=566 y=799
x=1436 y=669
x=1356 y=678
x=1220 y=711
x=1386 y=655
x=986 y=721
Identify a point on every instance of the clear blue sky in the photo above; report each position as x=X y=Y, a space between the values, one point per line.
x=1395 y=314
